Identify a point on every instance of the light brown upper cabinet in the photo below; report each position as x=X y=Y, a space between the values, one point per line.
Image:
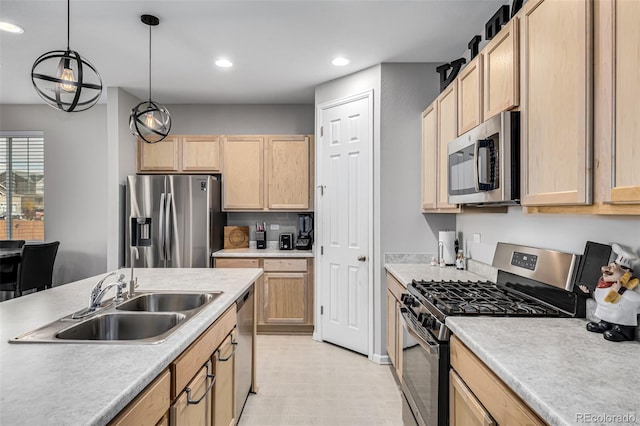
x=625 y=146
x=447 y=131
x=243 y=162
x=180 y=154
x=500 y=69
x=470 y=95
x=556 y=117
x=201 y=154
x=268 y=172
x=429 y=156
x=163 y=156
x=288 y=176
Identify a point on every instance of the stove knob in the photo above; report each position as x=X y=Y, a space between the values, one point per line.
x=422 y=318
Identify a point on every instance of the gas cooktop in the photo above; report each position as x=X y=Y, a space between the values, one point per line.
x=476 y=298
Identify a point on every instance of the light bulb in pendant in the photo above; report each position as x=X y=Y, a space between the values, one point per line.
x=150 y=121
x=67 y=75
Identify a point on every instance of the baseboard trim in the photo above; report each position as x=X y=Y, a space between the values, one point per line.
x=381 y=359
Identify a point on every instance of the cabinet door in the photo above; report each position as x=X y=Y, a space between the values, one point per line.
x=243 y=163
x=223 y=390
x=160 y=156
x=392 y=327
x=447 y=131
x=556 y=102
x=150 y=407
x=464 y=407
x=193 y=406
x=470 y=95
x=288 y=172
x=501 y=71
x=429 y=156
x=285 y=300
x=201 y=154
x=626 y=138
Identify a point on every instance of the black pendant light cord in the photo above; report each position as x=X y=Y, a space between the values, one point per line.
x=68 y=21
x=149 y=63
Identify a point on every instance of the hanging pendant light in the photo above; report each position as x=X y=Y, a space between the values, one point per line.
x=65 y=80
x=149 y=120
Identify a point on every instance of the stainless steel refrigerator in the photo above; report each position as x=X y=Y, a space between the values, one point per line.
x=187 y=222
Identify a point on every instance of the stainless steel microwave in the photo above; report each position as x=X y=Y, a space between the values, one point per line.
x=484 y=163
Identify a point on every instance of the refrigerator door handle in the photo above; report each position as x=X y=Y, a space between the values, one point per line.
x=168 y=221
x=161 y=227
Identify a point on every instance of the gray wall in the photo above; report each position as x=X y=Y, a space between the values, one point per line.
x=75 y=183
x=559 y=232
x=121 y=160
x=241 y=119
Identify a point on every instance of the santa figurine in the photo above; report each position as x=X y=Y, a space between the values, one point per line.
x=618 y=298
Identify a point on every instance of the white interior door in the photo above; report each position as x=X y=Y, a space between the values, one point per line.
x=345 y=207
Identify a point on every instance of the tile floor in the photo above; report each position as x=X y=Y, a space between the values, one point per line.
x=304 y=382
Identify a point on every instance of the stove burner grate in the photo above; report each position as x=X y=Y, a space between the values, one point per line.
x=478 y=298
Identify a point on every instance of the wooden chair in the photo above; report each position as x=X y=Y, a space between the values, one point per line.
x=35 y=270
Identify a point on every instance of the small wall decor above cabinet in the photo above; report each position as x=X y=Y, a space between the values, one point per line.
x=180 y=154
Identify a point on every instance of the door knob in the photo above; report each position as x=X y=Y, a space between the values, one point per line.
x=362 y=258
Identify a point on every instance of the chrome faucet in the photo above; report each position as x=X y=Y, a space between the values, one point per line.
x=97 y=294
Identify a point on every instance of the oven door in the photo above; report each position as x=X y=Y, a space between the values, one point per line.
x=425 y=364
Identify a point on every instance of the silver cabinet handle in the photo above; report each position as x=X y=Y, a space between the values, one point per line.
x=235 y=346
x=362 y=258
x=213 y=381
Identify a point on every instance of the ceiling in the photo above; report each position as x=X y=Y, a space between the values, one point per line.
x=281 y=50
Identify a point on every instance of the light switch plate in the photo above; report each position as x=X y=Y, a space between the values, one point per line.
x=274 y=227
x=476 y=238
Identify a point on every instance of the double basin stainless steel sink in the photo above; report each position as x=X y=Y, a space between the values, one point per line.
x=149 y=317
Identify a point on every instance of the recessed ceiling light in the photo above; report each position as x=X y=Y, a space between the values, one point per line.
x=340 y=62
x=11 y=28
x=224 y=63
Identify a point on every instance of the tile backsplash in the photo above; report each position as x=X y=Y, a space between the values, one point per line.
x=287 y=222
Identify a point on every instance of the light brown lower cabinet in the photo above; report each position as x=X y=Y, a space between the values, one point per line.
x=194 y=405
x=223 y=390
x=464 y=407
x=150 y=407
x=284 y=294
x=199 y=382
x=479 y=397
x=394 y=324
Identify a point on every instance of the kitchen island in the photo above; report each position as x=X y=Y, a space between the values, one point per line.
x=89 y=384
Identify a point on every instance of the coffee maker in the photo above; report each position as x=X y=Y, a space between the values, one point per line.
x=305 y=234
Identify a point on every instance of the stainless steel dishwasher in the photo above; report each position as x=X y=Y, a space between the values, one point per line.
x=244 y=351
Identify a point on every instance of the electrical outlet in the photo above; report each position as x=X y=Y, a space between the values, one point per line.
x=274 y=227
x=476 y=238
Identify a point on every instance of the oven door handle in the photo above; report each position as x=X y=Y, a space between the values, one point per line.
x=429 y=346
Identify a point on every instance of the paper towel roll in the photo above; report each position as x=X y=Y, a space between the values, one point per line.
x=447 y=247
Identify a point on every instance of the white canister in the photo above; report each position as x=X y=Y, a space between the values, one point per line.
x=447 y=246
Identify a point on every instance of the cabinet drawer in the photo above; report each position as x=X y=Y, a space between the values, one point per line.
x=395 y=287
x=237 y=263
x=285 y=265
x=193 y=406
x=502 y=403
x=196 y=355
x=148 y=407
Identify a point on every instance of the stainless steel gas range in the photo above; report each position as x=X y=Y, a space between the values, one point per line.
x=531 y=282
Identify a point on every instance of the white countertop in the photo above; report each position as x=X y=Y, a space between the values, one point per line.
x=88 y=384
x=268 y=252
x=556 y=366
x=405 y=272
